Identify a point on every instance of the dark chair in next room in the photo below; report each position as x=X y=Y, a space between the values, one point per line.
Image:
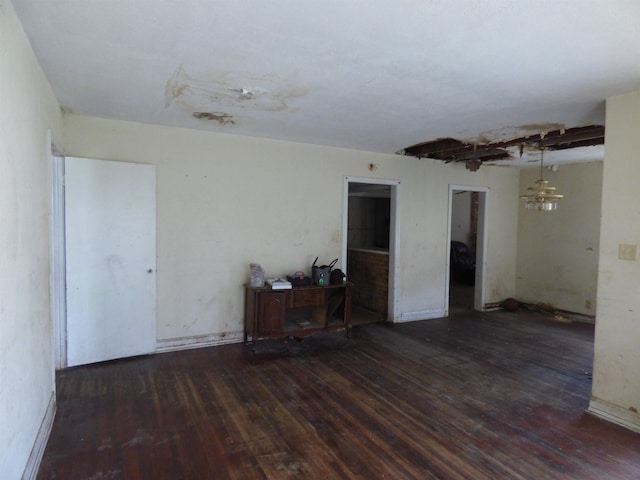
x=463 y=265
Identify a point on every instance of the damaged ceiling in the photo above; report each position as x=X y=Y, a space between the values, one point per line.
x=463 y=76
x=476 y=153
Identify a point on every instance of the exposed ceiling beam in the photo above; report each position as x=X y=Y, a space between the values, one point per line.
x=453 y=150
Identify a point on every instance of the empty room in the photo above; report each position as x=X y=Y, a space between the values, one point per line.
x=388 y=239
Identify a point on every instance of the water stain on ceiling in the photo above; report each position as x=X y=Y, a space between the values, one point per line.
x=228 y=91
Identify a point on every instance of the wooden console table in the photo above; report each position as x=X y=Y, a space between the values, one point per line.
x=296 y=312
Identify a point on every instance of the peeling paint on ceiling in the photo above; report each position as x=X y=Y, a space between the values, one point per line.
x=507 y=133
x=220 y=117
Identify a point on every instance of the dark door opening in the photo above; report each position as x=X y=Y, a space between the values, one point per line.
x=463 y=250
x=368 y=240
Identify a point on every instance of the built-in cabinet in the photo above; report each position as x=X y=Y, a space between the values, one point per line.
x=297 y=312
x=369 y=270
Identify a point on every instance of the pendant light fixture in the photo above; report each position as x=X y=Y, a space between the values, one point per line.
x=541 y=197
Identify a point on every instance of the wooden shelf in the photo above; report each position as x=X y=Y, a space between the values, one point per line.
x=297 y=312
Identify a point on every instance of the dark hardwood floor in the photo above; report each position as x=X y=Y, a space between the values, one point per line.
x=475 y=396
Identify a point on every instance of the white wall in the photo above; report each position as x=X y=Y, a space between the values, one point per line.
x=226 y=200
x=616 y=378
x=27 y=110
x=558 y=251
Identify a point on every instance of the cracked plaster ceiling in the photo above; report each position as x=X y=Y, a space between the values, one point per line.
x=368 y=75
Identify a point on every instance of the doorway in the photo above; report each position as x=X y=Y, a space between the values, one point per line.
x=466 y=248
x=58 y=262
x=368 y=244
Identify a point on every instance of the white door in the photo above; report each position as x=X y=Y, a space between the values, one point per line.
x=110 y=227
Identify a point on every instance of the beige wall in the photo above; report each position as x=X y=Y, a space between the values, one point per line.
x=226 y=200
x=558 y=251
x=27 y=110
x=616 y=381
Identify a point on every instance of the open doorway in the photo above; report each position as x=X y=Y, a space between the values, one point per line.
x=466 y=248
x=369 y=239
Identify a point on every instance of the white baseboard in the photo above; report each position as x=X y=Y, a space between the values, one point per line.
x=184 y=343
x=421 y=315
x=33 y=462
x=614 y=414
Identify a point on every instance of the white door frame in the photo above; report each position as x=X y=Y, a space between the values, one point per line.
x=394 y=235
x=481 y=245
x=58 y=262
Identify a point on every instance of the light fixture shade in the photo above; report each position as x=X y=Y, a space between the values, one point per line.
x=541 y=206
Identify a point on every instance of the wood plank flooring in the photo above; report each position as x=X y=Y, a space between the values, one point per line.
x=475 y=396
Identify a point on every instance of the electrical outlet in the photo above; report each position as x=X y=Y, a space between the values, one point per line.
x=627 y=251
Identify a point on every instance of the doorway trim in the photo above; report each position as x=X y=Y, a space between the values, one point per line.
x=481 y=245
x=394 y=235
x=58 y=276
